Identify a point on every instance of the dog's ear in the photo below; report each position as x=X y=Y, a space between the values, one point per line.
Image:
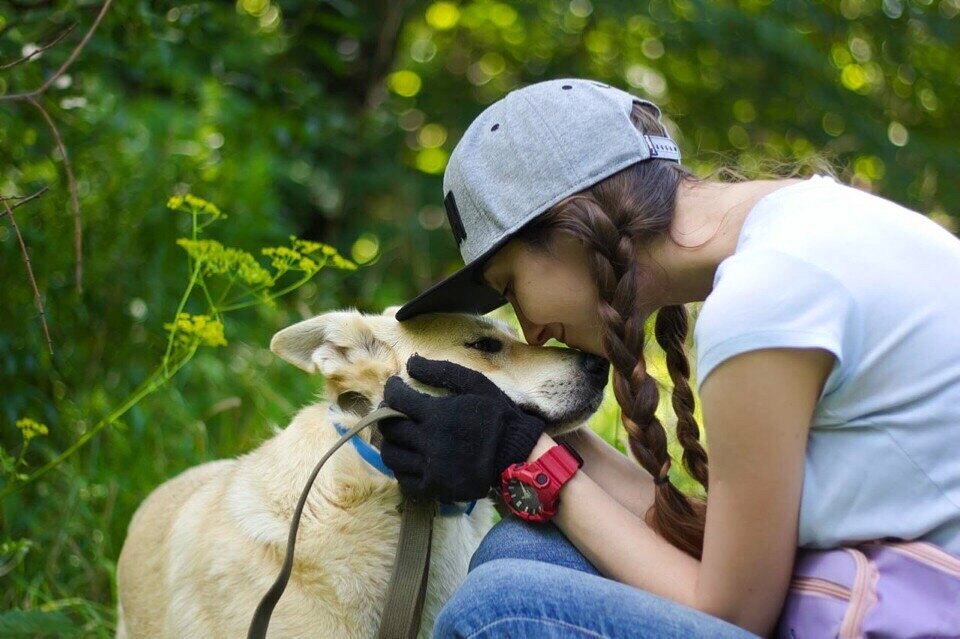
x=331 y=342
x=354 y=402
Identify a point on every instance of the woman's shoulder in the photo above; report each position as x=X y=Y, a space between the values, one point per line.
x=865 y=242
x=773 y=274
x=769 y=298
x=823 y=216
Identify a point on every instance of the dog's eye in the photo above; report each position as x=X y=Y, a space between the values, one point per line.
x=486 y=344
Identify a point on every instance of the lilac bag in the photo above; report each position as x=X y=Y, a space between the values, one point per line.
x=880 y=588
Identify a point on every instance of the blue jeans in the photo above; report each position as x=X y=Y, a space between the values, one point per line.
x=529 y=580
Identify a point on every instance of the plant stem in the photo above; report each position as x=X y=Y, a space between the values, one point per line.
x=160 y=376
x=183 y=303
x=303 y=280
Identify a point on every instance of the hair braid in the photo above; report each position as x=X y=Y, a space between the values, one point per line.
x=671 y=332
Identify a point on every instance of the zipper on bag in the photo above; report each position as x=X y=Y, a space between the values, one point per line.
x=928 y=554
x=819 y=586
x=863 y=595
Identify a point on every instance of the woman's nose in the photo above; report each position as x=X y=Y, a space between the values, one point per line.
x=533 y=333
x=537 y=339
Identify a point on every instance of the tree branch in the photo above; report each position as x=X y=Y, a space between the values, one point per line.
x=37 y=52
x=63 y=67
x=23 y=199
x=74 y=198
x=38 y=301
x=32 y=97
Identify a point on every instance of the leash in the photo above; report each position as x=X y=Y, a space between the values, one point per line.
x=411 y=569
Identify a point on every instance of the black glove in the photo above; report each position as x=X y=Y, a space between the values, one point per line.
x=454 y=447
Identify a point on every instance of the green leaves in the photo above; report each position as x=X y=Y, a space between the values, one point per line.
x=36 y=623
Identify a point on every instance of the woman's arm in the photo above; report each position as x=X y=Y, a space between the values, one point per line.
x=759 y=406
x=620 y=476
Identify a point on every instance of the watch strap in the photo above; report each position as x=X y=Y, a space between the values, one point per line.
x=573 y=451
x=559 y=463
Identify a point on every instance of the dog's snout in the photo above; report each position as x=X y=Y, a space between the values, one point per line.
x=596 y=367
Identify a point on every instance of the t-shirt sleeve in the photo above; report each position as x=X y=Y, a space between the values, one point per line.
x=773 y=299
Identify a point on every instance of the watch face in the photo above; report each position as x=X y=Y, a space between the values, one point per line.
x=523 y=497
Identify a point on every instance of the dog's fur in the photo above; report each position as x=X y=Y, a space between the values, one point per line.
x=205 y=546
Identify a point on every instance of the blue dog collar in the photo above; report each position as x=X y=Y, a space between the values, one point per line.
x=365 y=450
x=372 y=456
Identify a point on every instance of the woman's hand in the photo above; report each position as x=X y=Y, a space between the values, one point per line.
x=454 y=447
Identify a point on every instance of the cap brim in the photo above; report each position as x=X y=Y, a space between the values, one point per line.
x=462 y=292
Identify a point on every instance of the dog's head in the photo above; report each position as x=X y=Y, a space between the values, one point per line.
x=356 y=353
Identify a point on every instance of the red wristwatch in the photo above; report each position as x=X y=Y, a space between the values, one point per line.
x=531 y=489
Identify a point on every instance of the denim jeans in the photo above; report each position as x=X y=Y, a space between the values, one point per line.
x=527 y=580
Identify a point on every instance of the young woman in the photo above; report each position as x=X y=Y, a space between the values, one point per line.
x=828 y=366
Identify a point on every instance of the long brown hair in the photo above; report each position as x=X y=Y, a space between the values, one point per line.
x=614 y=219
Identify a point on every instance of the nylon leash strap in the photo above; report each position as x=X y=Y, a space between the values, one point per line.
x=400 y=620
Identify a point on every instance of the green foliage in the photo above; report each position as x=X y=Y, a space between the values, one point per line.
x=208 y=262
x=34 y=623
x=333 y=123
x=221 y=280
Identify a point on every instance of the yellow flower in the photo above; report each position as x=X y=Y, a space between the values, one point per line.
x=202 y=206
x=30 y=428
x=306 y=246
x=192 y=204
x=282 y=258
x=307 y=265
x=342 y=262
x=294 y=257
x=219 y=260
x=202 y=328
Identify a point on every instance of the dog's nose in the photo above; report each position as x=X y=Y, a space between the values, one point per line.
x=596 y=367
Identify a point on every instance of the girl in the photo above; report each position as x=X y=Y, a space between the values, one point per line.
x=828 y=364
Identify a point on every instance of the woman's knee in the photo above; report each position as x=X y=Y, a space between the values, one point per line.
x=516 y=598
x=514 y=538
x=479 y=596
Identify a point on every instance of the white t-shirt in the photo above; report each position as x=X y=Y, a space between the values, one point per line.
x=822 y=264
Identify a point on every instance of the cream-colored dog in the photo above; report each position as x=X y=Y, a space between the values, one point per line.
x=205 y=546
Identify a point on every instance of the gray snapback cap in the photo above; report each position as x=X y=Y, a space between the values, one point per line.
x=520 y=156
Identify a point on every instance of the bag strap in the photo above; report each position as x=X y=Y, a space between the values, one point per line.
x=416 y=531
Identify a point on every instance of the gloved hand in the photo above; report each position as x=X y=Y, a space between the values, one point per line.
x=454 y=447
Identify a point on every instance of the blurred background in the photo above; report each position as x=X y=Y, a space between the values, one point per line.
x=333 y=121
